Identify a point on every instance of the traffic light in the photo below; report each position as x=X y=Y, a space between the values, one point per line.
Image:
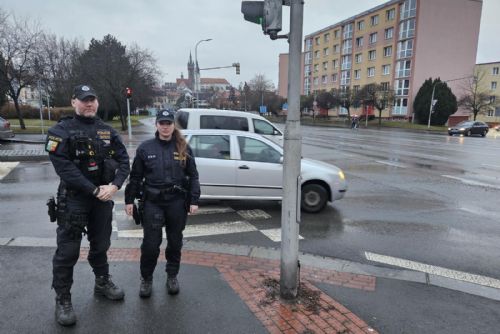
x=237 y=65
x=267 y=13
x=128 y=92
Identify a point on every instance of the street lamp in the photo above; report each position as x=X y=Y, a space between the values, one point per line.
x=433 y=102
x=197 y=69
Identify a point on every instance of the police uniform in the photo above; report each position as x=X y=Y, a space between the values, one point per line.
x=167 y=184
x=85 y=153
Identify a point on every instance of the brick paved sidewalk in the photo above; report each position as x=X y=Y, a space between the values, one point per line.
x=256 y=283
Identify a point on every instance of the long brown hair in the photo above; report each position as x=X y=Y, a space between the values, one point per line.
x=181 y=146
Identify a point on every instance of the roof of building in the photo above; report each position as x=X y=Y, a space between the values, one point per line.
x=213 y=81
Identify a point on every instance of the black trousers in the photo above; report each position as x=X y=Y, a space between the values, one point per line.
x=172 y=214
x=99 y=216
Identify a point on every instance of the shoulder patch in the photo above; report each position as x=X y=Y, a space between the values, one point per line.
x=52 y=143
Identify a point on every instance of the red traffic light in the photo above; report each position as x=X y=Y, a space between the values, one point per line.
x=128 y=92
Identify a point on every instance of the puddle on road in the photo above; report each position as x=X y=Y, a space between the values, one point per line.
x=391 y=228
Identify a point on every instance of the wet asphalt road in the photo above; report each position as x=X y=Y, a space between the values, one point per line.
x=423 y=197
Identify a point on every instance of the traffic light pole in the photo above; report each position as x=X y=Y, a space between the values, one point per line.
x=129 y=122
x=290 y=212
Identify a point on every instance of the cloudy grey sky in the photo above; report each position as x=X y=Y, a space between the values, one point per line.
x=171 y=28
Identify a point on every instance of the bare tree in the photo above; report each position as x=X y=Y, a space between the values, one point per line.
x=379 y=96
x=346 y=98
x=19 y=46
x=477 y=96
x=59 y=57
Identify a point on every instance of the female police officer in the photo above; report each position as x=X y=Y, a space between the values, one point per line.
x=164 y=176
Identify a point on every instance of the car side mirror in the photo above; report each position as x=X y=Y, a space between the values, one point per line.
x=281 y=160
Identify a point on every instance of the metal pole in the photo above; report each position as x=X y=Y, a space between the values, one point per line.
x=197 y=69
x=430 y=108
x=41 y=105
x=290 y=212
x=129 y=122
x=48 y=105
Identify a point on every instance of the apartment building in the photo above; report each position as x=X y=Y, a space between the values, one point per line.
x=490 y=82
x=400 y=44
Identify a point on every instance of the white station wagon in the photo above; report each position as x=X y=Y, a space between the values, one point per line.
x=237 y=165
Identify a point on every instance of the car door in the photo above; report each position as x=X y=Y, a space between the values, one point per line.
x=216 y=168
x=259 y=171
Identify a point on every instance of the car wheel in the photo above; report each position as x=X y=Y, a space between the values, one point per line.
x=468 y=133
x=314 y=198
x=450 y=134
x=484 y=133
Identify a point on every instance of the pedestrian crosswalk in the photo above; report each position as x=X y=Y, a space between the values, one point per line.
x=200 y=226
x=6 y=167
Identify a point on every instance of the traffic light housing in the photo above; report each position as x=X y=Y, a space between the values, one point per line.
x=128 y=92
x=267 y=13
x=237 y=66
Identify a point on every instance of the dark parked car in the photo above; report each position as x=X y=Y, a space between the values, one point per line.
x=5 y=131
x=469 y=128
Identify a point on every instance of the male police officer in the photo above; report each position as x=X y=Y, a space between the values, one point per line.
x=92 y=162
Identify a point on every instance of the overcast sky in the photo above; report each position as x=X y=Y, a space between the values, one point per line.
x=170 y=29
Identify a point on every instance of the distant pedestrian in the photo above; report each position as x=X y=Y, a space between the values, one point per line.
x=165 y=178
x=355 y=122
x=92 y=162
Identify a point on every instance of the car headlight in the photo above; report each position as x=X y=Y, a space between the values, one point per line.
x=449 y=129
x=462 y=129
x=341 y=175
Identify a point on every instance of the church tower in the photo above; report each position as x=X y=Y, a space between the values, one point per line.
x=191 y=74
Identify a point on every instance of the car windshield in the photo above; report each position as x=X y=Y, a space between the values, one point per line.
x=465 y=123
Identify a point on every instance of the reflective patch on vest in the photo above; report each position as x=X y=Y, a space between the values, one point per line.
x=104 y=134
x=151 y=156
x=177 y=157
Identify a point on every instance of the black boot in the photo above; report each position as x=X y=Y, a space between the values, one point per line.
x=65 y=315
x=172 y=285
x=104 y=286
x=146 y=287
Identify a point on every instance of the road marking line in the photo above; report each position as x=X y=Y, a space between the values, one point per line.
x=390 y=163
x=207 y=210
x=200 y=230
x=434 y=270
x=472 y=182
x=6 y=167
x=492 y=166
x=275 y=234
x=253 y=214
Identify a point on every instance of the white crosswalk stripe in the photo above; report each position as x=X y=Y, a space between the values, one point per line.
x=6 y=167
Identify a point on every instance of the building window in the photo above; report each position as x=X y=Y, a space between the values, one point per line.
x=356 y=88
x=327 y=38
x=388 y=51
x=361 y=25
x=403 y=68
x=335 y=63
x=358 y=58
x=316 y=67
x=316 y=81
x=402 y=87
x=370 y=72
x=357 y=74
x=407 y=29
x=307 y=70
x=317 y=40
x=374 y=20
x=334 y=77
x=372 y=55
x=405 y=49
x=388 y=33
x=345 y=78
x=493 y=85
x=373 y=38
x=495 y=71
x=359 y=42
x=316 y=54
x=390 y=14
x=325 y=65
x=309 y=43
x=347 y=46
x=492 y=99
x=408 y=9
x=336 y=33
x=386 y=69
x=346 y=63
x=348 y=31
x=400 y=106
x=385 y=86
x=307 y=87
x=336 y=48
x=326 y=52
x=491 y=113
x=324 y=79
